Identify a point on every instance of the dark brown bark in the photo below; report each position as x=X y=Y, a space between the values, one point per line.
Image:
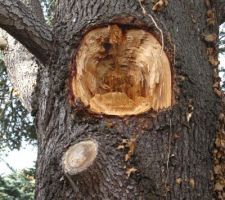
x=221 y=11
x=35 y=7
x=19 y=21
x=173 y=147
x=168 y=145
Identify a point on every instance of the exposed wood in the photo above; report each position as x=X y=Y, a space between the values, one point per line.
x=19 y=21
x=122 y=72
x=169 y=145
x=79 y=157
x=172 y=155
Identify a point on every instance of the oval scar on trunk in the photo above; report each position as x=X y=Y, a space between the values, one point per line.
x=79 y=157
x=122 y=72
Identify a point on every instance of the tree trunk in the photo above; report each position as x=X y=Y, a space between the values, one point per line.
x=169 y=146
x=165 y=154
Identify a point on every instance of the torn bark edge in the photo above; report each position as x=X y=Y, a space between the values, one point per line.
x=126 y=21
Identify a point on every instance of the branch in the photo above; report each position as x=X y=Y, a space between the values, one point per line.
x=35 y=7
x=221 y=12
x=19 y=21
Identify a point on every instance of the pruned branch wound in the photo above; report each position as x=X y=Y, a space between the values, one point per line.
x=122 y=72
x=79 y=157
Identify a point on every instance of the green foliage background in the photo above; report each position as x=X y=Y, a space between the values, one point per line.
x=221 y=46
x=18 y=185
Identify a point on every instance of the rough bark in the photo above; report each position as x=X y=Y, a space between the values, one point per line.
x=35 y=7
x=19 y=21
x=175 y=144
x=21 y=65
x=221 y=11
x=22 y=69
x=173 y=148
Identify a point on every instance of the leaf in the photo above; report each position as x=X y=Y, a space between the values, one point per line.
x=159 y=5
x=217 y=92
x=121 y=147
x=189 y=115
x=210 y=37
x=178 y=181
x=217 y=169
x=218 y=187
x=213 y=61
x=130 y=171
x=192 y=182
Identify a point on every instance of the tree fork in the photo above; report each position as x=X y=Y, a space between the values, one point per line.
x=19 y=21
